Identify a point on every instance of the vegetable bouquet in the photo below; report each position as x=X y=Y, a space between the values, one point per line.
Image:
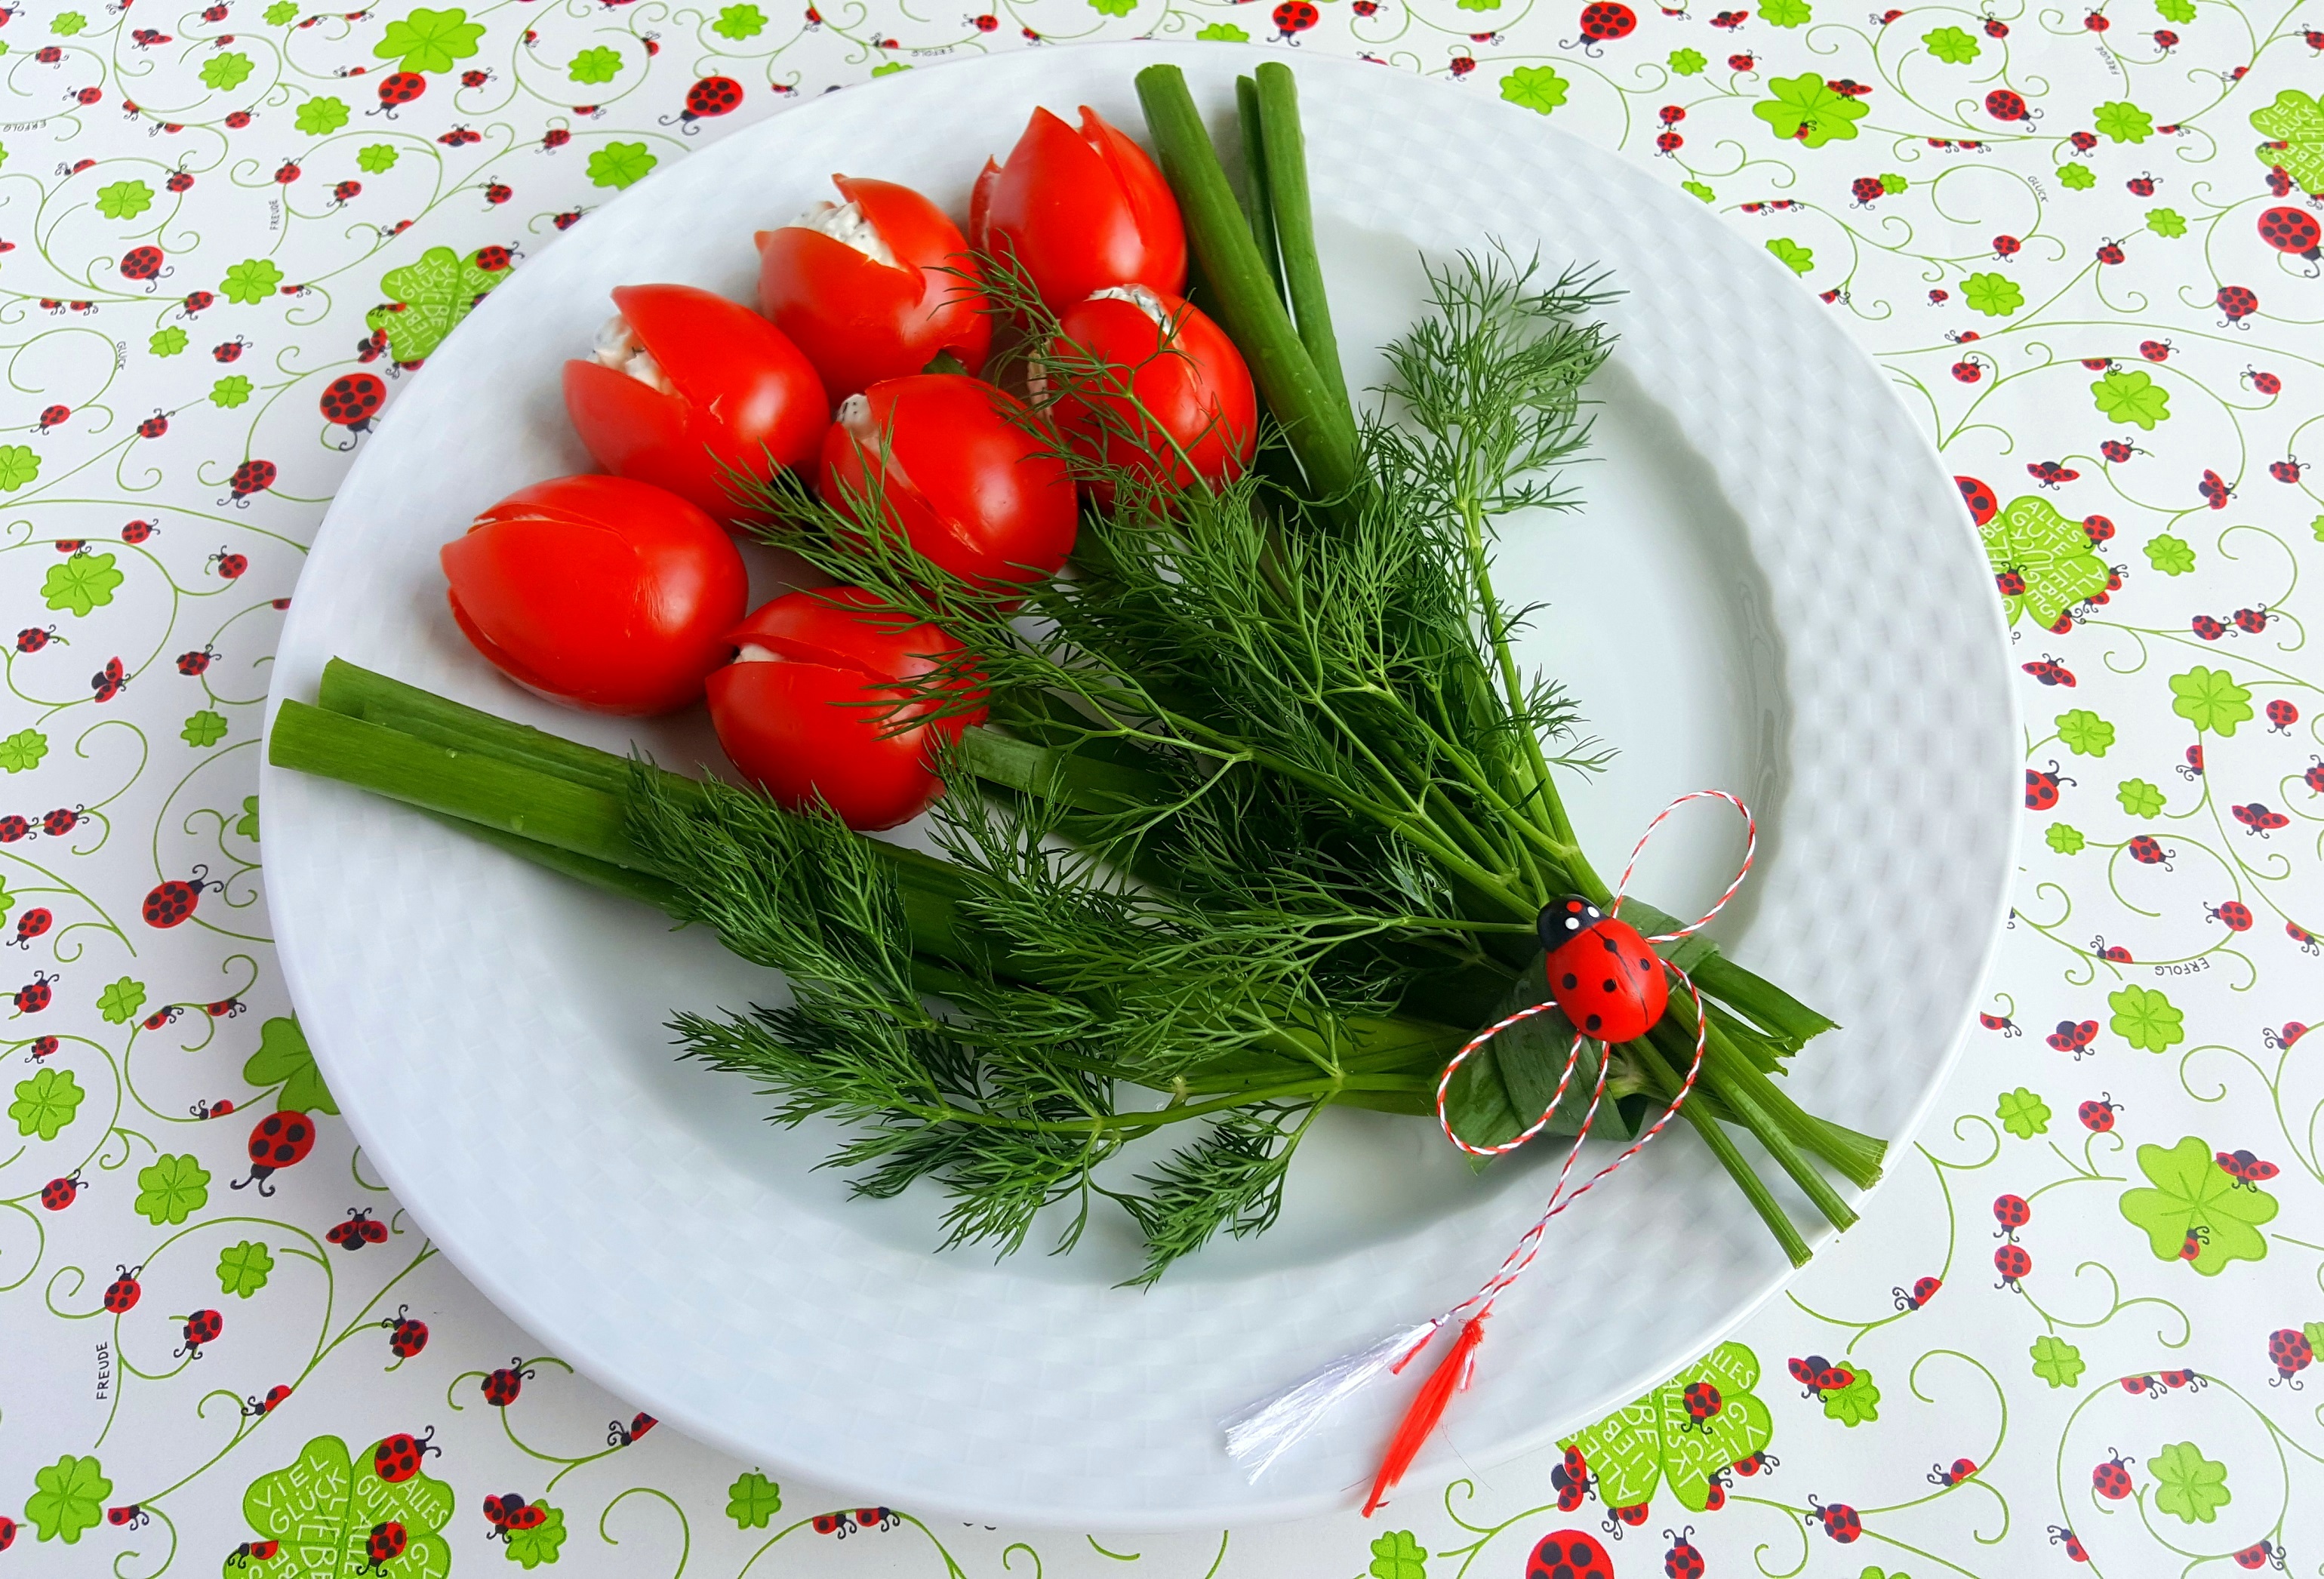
x=1245 y=807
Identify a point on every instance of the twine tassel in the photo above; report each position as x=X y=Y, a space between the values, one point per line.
x=1452 y=1375
x=1266 y=1430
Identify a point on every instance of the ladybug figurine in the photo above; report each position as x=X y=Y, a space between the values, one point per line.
x=278 y=1140
x=1601 y=971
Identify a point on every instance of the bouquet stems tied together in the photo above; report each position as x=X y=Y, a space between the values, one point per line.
x=1260 y=821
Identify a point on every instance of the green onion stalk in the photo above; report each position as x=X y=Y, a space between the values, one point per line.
x=1257 y=820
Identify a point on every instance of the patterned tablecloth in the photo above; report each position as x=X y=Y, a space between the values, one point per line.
x=2073 y=1327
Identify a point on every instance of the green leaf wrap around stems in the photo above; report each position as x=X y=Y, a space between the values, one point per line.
x=1319 y=430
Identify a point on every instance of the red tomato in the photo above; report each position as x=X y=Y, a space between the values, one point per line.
x=866 y=289
x=790 y=709
x=1079 y=212
x=971 y=488
x=684 y=384
x=1177 y=402
x=600 y=592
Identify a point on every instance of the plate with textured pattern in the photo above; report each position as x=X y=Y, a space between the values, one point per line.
x=1771 y=588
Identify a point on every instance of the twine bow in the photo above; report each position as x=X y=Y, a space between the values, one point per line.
x=1261 y=1433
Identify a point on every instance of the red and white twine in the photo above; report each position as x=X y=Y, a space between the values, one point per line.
x=1260 y=1433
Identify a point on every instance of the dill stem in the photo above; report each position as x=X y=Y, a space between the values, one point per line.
x=1664 y=1080
x=1472 y=527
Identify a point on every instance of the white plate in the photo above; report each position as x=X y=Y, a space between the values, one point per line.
x=1773 y=589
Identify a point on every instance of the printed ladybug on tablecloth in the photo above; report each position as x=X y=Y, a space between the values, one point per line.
x=203 y=1327
x=173 y=901
x=277 y=1142
x=351 y=401
x=709 y=98
x=397 y=1458
x=385 y=1544
x=509 y=1513
x=359 y=1230
x=502 y=1385
x=406 y=1333
x=1569 y=1554
x=121 y=1295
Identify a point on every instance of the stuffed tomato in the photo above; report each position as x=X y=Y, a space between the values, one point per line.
x=1153 y=389
x=820 y=707
x=874 y=288
x=599 y=592
x=1080 y=210
x=957 y=467
x=684 y=389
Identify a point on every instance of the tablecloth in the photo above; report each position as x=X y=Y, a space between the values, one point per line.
x=2077 y=1322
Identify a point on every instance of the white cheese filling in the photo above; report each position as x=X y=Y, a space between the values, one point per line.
x=845 y=224
x=617 y=348
x=1139 y=297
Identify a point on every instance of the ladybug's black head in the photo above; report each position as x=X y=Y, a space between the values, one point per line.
x=1564 y=919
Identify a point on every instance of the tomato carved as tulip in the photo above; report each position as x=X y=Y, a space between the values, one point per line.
x=868 y=287
x=1077 y=210
x=953 y=464
x=599 y=592
x=798 y=709
x=1153 y=389
x=683 y=384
